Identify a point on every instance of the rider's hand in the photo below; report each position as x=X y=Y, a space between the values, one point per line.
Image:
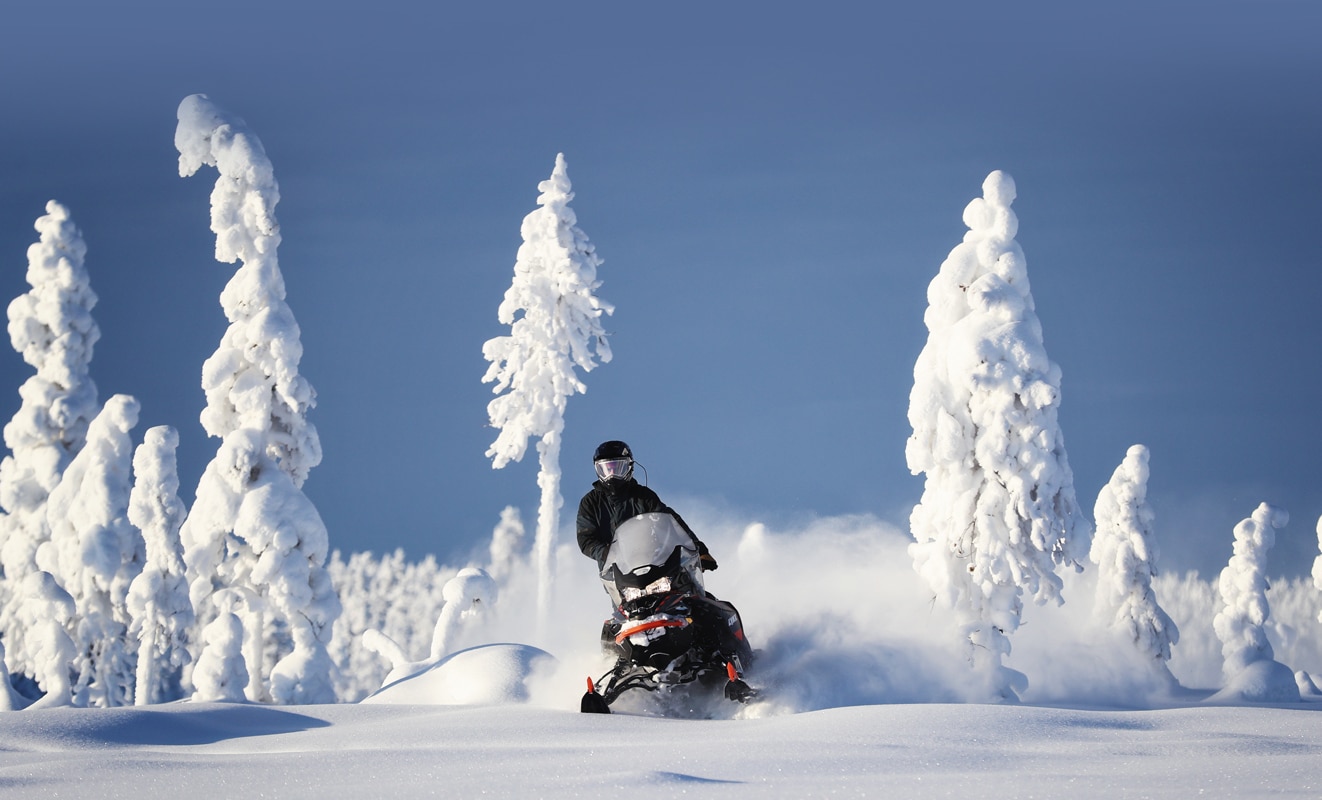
x=707 y=562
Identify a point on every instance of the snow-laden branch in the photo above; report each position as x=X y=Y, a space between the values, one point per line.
x=555 y=324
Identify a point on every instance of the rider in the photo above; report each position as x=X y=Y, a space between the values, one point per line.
x=615 y=498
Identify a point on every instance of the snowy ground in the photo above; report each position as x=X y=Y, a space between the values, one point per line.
x=864 y=696
x=915 y=751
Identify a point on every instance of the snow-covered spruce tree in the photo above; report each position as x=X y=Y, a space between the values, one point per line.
x=998 y=511
x=51 y=326
x=10 y=700
x=95 y=553
x=45 y=615
x=1250 y=667
x=251 y=527
x=221 y=675
x=158 y=604
x=1317 y=564
x=555 y=326
x=1125 y=552
x=506 y=544
x=469 y=596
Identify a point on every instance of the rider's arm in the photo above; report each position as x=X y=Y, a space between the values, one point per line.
x=707 y=560
x=702 y=548
x=660 y=506
x=594 y=537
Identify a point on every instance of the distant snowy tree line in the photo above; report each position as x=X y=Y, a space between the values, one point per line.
x=113 y=592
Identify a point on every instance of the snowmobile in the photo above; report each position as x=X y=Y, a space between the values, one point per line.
x=666 y=630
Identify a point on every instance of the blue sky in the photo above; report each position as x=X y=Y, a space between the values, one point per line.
x=771 y=187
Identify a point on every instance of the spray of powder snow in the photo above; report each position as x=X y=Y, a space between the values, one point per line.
x=839 y=617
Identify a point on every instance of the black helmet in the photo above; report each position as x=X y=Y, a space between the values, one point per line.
x=612 y=449
x=613 y=460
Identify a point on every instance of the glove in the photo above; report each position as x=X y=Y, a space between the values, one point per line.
x=707 y=562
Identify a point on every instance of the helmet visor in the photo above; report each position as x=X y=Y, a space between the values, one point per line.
x=609 y=468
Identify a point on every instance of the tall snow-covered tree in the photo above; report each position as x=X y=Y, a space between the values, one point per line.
x=1241 y=624
x=998 y=511
x=51 y=326
x=555 y=327
x=158 y=604
x=1125 y=551
x=251 y=527
x=95 y=553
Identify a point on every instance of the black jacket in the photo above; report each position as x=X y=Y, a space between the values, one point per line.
x=607 y=505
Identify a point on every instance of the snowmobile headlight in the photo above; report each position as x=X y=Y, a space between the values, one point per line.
x=658 y=586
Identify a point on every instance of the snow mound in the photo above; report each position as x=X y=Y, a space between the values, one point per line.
x=493 y=674
x=468 y=587
x=1307 y=686
x=1260 y=682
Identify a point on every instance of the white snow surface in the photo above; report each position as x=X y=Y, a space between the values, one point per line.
x=493 y=674
x=864 y=694
x=901 y=750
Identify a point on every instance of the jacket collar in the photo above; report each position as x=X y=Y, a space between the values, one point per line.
x=615 y=486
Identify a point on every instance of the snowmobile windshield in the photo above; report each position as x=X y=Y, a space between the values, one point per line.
x=646 y=546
